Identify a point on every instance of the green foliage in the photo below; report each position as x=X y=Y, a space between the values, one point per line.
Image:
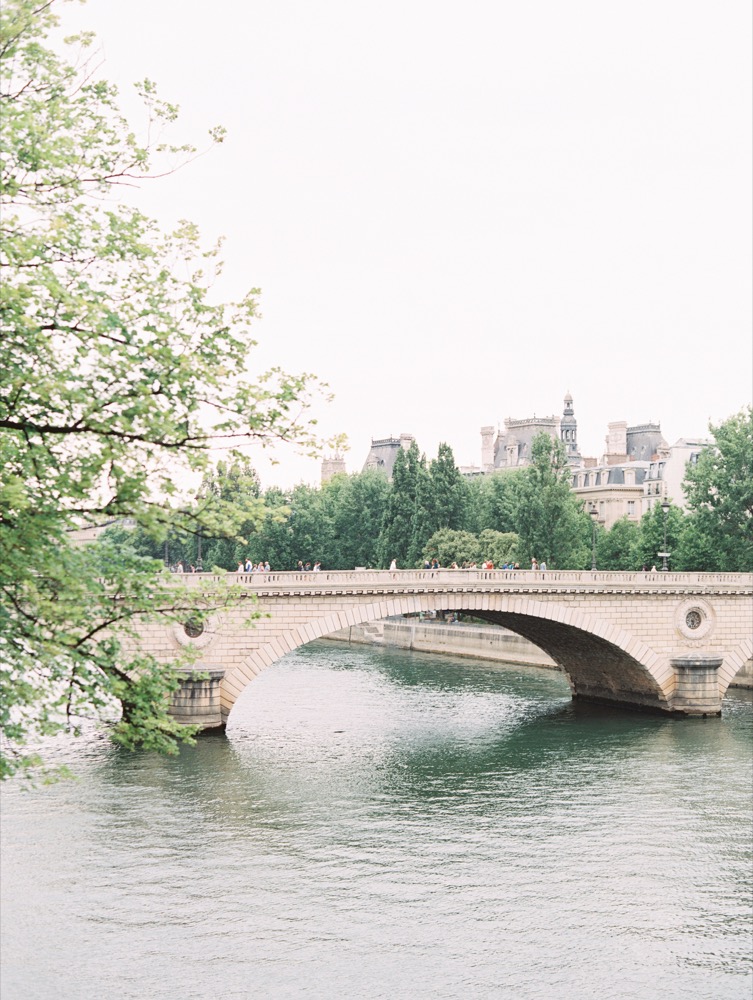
x=448 y=546
x=421 y=501
x=311 y=527
x=651 y=536
x=117 y=373
x=447 y=501
x=498 y=499
x=697 y=549
x=548 y=518
x=499 y=546
x=274 y=539
x=398 y=537
x=357 y=518
x=463 y=547
x=421 y=520
x=719 y=491
x=617 y=549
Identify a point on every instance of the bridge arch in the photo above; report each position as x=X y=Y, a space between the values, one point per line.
x=601 y=660
x=734 y=662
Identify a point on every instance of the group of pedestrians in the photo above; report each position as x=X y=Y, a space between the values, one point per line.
x=486 y=564
x=306 y=567
x=190 y=568
x=249 y=567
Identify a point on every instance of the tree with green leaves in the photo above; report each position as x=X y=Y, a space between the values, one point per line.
x=357 y=518
x=273 y=541
x=651 y=536
x=450 y=546
x=398 y=536
x=497 y=499
x=421 y=522
x=463 y=547
x=499 y=546
x=617 y=548
x=311 y=526
x=549 y=519
x=448 y=492
x=719 y=491
x=117 y=374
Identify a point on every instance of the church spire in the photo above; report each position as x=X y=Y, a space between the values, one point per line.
x=569 y=431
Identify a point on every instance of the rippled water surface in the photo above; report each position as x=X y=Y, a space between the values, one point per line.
x=387 y=824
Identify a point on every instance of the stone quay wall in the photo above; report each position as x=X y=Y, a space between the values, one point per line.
x=460 y=639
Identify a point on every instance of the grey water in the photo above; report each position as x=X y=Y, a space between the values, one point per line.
x=385 y=824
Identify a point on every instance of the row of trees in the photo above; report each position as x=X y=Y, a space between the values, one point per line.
x=429 y=510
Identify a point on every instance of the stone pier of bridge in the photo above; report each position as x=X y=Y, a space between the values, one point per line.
x=667 y=642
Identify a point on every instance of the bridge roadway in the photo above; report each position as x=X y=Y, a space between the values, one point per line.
x=670 y=642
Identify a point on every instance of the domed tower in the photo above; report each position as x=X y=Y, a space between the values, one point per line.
x=569 y=432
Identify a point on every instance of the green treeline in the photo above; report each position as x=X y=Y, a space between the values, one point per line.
x=429 y=510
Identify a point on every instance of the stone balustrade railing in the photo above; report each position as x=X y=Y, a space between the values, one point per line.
x=396 y=580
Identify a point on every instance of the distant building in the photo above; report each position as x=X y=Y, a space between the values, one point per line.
x=331 y=466
x=636 y=467
x=641 y=443
x=667 y=471
x=569 y=432
x=614 y=485
x=87 y=533
x=384 y=451
x=623 y=486
x=511 y=448
x=615 y=491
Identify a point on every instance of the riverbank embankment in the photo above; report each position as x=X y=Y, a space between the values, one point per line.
x=482 y=642
x=456 y=639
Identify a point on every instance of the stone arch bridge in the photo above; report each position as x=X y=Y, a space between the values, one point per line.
x=670 y=642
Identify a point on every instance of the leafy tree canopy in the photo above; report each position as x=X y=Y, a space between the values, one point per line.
x=357 y=519
x=548 y=517
x=616 y=549
x=499 y=546
x=117 y=374
x=448 y=546
x=719 y=491
x=398 y=537
x=651 y=536
x=498 y=497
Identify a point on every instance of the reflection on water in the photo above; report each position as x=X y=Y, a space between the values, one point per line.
x=380 y=823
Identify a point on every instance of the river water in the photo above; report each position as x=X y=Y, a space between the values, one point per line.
x=387 y=824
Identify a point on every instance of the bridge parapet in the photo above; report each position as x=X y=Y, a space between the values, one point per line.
x=599 y=581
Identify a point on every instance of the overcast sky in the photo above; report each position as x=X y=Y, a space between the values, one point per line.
x=457 y=212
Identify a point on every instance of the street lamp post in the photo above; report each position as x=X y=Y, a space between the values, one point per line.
x=199 y=497
x=594 y=516
x=665 y=555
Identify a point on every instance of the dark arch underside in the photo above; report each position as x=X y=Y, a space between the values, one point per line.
x=597 y=670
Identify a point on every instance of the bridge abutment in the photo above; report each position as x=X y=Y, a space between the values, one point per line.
x=197 y=702
x=697 y=691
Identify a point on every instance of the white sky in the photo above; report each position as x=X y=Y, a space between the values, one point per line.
x=457 y=212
